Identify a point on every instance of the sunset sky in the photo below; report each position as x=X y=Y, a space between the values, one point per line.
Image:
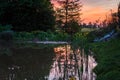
x=93 y=10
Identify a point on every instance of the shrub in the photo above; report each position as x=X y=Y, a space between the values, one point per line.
x=6 y=35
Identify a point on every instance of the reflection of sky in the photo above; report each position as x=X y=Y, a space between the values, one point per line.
x=97 y=9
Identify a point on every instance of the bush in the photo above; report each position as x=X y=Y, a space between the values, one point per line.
x=41 y=36
x=112 y=75
x=6 y=35
x=5 y=28
x=108 y=58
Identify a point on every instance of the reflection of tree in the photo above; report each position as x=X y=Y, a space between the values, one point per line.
x=69 y=65
x=66 y=63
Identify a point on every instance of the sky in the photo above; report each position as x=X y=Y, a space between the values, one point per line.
x=98 y=9
x=93 y=10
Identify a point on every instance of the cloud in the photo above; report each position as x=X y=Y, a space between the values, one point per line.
x=93 y=10
x=93 y=13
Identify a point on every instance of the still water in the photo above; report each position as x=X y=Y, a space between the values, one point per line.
x=58 y=63
x=72 y=65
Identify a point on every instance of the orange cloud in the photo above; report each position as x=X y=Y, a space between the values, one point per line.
x=92 y=13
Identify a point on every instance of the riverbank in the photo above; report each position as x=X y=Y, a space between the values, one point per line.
x=107 y=55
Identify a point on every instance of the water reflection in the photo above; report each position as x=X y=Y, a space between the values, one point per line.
x=34 y=64
x=72 y=65
x=26 y=64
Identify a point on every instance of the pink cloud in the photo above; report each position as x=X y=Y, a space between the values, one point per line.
x=91 y=14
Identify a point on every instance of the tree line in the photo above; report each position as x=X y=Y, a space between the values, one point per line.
x=34 y=15
x=27 y=15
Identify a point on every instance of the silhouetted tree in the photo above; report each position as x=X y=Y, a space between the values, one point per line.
x=115 y=22
x=69 y=11
x=119 y=15
x=27 y=15
x=72 y=27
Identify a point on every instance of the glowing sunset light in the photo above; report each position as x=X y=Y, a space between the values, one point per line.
x=93 y=10
x=55 y=3
x=97 y=13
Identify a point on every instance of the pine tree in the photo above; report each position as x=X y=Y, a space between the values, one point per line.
x=68 y=12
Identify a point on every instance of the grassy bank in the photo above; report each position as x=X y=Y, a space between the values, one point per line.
x=107 y=55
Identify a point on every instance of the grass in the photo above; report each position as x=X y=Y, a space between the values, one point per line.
x=107 y=55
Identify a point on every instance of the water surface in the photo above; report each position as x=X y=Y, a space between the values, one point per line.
x=47 y=63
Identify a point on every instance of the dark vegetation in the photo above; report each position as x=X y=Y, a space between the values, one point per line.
x=29 y=63
x=107 y=55
x=68 y=15
x=27 y=15
x=28 y=20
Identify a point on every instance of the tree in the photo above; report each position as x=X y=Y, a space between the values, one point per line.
x=119 y=15
x=115 y=21
x=27 y=15
x=68 y=11
x=72 y=27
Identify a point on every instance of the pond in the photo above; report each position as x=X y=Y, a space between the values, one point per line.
x=55 y=63
x=72 y=65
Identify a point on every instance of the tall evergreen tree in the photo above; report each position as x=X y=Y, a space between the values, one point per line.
x=27 y=15
x=69 y=11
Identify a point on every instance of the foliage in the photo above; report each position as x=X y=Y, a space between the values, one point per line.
x=5 y=28
x=69 y=11
x=108 y=58
x=114 y=23
x=106 y=54
x=98 y=33
x=6 y=39
x=119 y=15
x=27 y=15
x=6 y=34
x=112 y=75
x=41 y=36
x=72 y=27
x=80 y=40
